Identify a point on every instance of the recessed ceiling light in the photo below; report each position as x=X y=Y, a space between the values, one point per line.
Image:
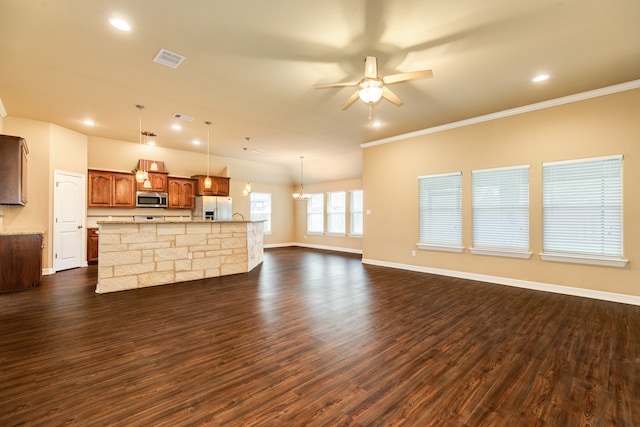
x=376 y=124
x=88 y=122
x=196 y=142
x=540 y=78
x=176 y=126
x=120 y=24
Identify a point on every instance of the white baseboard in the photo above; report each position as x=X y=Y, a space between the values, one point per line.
x=279 y=245
x=329 y=248
x=48 y=271
x=538 y=286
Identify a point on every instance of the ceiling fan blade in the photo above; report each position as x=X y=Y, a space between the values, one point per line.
x=371 y=67
x=396 y=78
x=353 y=98
x=390 y=96
x=330 y=85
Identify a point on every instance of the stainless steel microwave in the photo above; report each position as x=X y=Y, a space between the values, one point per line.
x=151 y=200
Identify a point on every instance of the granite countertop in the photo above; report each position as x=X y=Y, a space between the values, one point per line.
x=191 y=221
x=18 y=233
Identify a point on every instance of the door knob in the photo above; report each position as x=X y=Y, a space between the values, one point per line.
x=80 y=226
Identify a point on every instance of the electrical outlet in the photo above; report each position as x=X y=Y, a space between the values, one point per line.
x=413 y=253
x=190 y=256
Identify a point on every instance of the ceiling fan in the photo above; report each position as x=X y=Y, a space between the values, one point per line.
x=371 y=88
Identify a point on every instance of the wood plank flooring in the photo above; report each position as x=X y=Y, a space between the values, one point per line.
x=315 y=338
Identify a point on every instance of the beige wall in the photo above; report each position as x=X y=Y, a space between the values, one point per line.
x=596 y=127
x=35 y=215
x=352 y=244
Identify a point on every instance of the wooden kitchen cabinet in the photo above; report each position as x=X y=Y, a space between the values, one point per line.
x=219 y=186
x=158 y=182
x=92 y=245
x=21 y=266
x=181 y=193
x=13 y=170
x=111 y=189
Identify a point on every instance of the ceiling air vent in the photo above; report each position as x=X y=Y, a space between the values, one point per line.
x=168 y=58
x=183 y=117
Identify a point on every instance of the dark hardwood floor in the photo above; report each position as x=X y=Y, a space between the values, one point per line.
x=315 y=338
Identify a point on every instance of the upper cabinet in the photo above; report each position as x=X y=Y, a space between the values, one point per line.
x=111 y=189
x=158 y=182
x=219 y=186
x=181 y=193
x=13 y=170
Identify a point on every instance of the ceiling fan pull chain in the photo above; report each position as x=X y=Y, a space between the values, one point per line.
x=370 y=114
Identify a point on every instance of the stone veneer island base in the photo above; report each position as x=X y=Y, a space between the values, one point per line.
x=135 y=255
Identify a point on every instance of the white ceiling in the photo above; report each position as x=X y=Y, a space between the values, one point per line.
x=251 y=65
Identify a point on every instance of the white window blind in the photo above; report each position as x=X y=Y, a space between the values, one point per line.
x=501 y=209
x=260 y=209
x=356 y=207
x=440 y=202
x=315 y=213
x=336 y=212
x=582 y=207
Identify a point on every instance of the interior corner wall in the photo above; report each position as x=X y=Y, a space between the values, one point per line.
x=595 y=127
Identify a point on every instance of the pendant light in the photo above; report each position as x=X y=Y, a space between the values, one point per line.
x=146 y=182
x=247 y=187
x=207 y=180
x=140 y=174
x=301 y=195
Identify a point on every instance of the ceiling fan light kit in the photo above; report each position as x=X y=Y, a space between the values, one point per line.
x=371 y=88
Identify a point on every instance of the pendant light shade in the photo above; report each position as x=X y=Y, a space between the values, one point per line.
x=140 y=175
x=301 y=195
x=207 y=180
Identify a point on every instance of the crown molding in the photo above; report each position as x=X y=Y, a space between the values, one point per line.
x=622 y=87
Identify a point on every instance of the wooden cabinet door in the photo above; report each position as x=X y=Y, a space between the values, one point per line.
x=181 y=193
x=100 y=184
x=221 y=186
x=174 y=194
x=123 y=189
x=188 y=194
x=158 y=183
x=92 y=245
x=23 y=257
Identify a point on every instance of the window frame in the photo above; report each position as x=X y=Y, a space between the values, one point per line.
x=336 y=211
x=320 y=213
x=268 y=226
x=499 y=203
x=443 y=186
x=556 y=201
x=353 y=212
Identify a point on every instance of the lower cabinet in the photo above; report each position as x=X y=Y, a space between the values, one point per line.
x=92 y=245
x=21 y=266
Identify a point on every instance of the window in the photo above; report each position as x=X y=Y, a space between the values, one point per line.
x=501 y=211
x=315 y=212
x=582 y=211
x=260 y=209
x=440 y=219
x=355 y=212
x=336 y=212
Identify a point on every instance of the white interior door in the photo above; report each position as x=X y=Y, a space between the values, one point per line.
x=69 y=213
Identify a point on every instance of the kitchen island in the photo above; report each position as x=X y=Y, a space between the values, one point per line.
x=136 y=254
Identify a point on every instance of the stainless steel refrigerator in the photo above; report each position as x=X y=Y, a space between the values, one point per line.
x=213 y=208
